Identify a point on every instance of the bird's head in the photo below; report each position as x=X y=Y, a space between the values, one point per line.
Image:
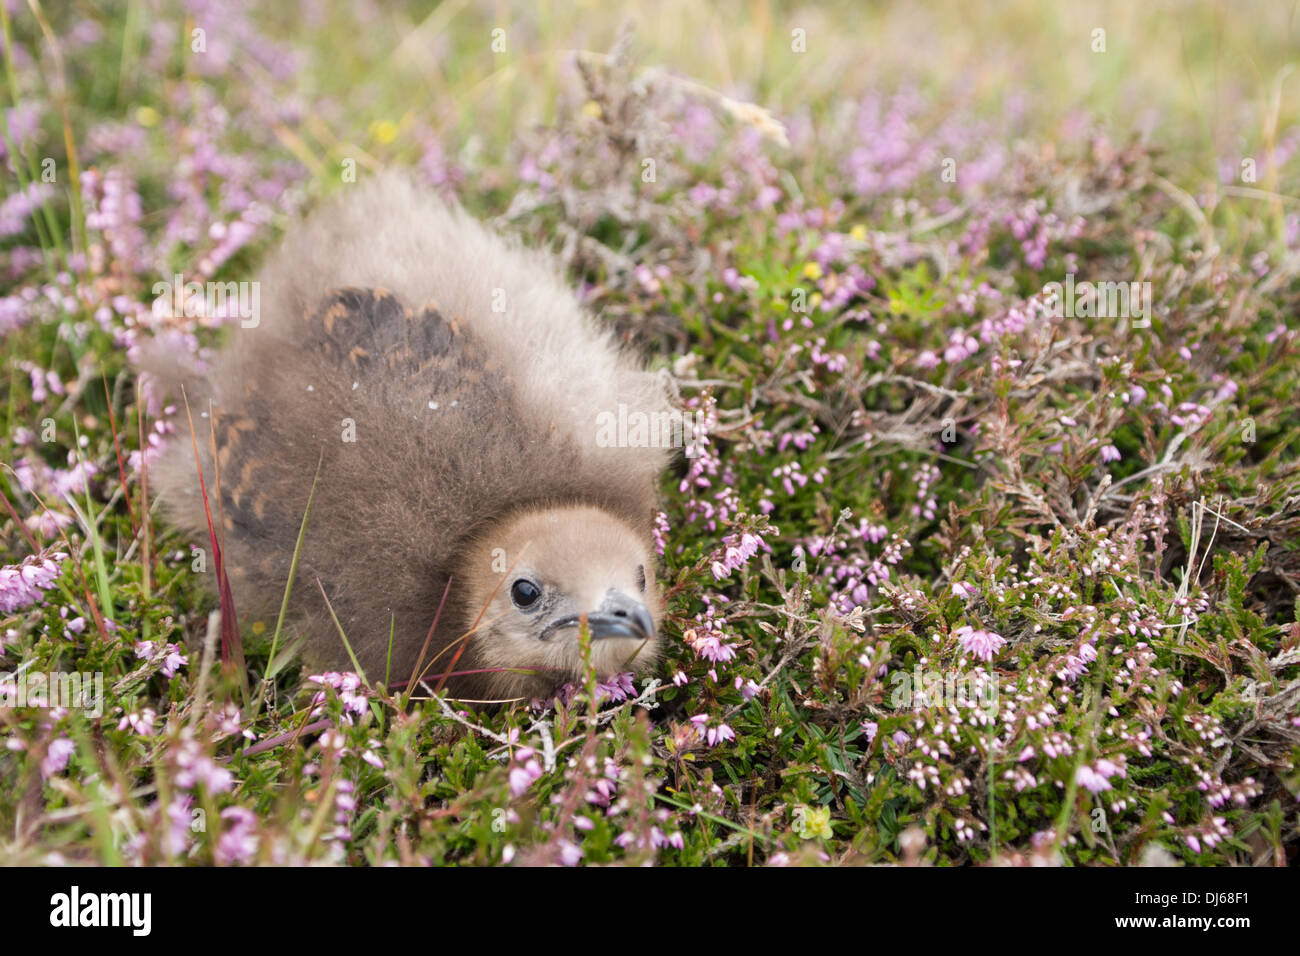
x=537 y=573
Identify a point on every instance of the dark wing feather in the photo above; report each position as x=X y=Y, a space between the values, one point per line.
x=369 y=330
x=354 y=339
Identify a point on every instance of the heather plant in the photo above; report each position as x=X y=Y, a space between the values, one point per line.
x=971 y=557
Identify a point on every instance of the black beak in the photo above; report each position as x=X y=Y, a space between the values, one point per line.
x=617 y=616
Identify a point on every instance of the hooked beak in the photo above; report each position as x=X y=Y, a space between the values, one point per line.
x=617 y=616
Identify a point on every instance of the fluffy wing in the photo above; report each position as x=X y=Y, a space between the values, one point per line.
x=421 y=440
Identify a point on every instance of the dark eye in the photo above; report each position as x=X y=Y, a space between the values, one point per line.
x=640 y=576
x=524 y=593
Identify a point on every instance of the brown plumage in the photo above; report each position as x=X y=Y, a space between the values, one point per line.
x=471 y=382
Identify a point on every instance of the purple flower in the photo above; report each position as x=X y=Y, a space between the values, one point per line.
x=522 y=776
x=981 y=644
x=22 y=585
x=238 y=841
x=570 y=853
x=173 y=661
x=56 y=757
x=141 y=723
x=19 y=206
x=180 y=818
x=1093 y=781
x=350 y=691
x=195 y=767
x=713 y=735
x=708 y=645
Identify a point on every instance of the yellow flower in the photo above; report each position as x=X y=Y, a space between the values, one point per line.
x=259 y=628
x=812 y=270
x=813 y=822
x=384 y=131
x=147 y=116
x=858 y=232
x=591 y=108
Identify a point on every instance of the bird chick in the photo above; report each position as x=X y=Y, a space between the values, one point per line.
x=448 y=387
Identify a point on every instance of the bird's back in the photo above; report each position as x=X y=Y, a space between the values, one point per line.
x=438 y=376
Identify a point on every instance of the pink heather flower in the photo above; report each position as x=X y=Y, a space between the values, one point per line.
x=960 y=346
x=194 y=768
x=524 y=775
x=20 y=205
x=708 y=645
x=1074 y=666
x=56 y=757
x=712 y=649
x=229 y=721
x=601 y=792
x=48 y=523
x=1110 y=453
x=1093 y=781
x=674 y=839
x=174 y=660
x=713 y=735
x=349 y=688
x=737 y=553
x=617 y=688
x=141 y=723
x=963 y=590
x=1108 y=769
x=24 y=584
x=980 y=644
x=179 y=819
x=570 y=853
x=660 y=533
x=238 y=841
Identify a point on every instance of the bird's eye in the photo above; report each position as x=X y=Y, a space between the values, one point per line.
x=640 y=576
x=524 y=593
